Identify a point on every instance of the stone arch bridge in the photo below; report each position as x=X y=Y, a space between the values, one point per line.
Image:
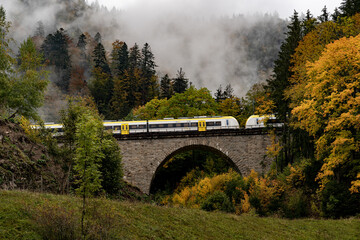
x=143 y=154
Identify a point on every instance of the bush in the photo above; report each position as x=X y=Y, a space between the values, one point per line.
x=295 y=205
x=337 y=201
x=218 y=201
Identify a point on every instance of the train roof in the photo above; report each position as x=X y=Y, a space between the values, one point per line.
x=110 y=122
x=175 y=119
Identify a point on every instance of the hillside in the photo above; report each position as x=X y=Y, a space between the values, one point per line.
x=25 y=164
x=125 y=220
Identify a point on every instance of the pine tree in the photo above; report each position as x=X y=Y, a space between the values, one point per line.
x=134 y=58
x=324 y=17
x=349 y=7
x=335 y=16
x=228 y=92
x=55 y=50
x=219 y=94
x=97 y=37
x=40 y=30
x=120 y=58
x=148 y=84
x=280 y=81
x=308 y=24
x=166 y=90
x=180 y=83
x=102 y=84
x=99 y=58
x=81 y=44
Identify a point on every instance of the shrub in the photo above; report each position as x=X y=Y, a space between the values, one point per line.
x=295 y=205
x=218 y=201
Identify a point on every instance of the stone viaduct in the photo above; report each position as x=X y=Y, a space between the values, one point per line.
x=143 y=155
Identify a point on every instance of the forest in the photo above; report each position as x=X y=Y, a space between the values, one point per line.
x=68 y=76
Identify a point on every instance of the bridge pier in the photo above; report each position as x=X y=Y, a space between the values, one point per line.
x=141 y=157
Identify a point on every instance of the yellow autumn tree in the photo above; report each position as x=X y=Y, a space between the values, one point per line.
x=329 y=109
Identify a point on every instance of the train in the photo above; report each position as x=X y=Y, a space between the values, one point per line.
x=200 y=123
x=263 y=121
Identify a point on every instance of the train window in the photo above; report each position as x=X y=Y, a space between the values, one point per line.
x=178 y=125
x=218 y=123
x=171 y=125
x=194 y=124
x=186 y=124
x=162 y=126
x=153 y=125
x=142 y=126
x=210 y=123
x=227 y=122
x=108 y=127
x=133 y=126
x=60 y=130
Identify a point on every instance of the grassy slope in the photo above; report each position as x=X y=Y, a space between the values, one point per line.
x=144 y=221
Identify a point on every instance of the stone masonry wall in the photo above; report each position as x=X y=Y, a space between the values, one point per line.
x=141 y=158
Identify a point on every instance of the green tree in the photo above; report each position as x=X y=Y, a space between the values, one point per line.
x=6 y=62
x=280 y=82
x=134 y=58
x=308 y=23
x=88 y=156
x=102 y=84
x=180 y=83
x=22 y=85
x=349 y=7
x=190 y=103
x=166 y=90
x=55 y=50
x=324 y=17
x=99 y=58
x=27 y=90
x=149 y=84
x=120 y=58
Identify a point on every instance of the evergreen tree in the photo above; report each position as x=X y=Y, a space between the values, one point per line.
x=324 y=17
x=219 y=94
x=120 y=58
x=102 y=84
x=55 y=50
x=100 y=61
x=335 y=16
x=349 y=7
x=280 y=81
x=97 y=37
x=166 y=90
x=228 y=92
x=81 y=44
x=180 y=83
x=134 y=58
x=308 y=24
x=148 y=84
x=40 y=30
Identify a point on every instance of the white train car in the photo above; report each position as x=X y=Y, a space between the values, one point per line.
x=257 y=121
x=201 y=123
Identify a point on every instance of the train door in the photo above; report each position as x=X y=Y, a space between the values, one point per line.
x=201 y=126
x=125 y=129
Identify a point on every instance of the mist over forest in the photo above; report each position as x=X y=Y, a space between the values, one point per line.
x=212 y=51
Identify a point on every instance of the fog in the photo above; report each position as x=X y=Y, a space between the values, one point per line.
x=203 y=38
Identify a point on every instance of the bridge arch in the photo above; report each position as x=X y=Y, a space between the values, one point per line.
x=187 y=148
x=142 y=157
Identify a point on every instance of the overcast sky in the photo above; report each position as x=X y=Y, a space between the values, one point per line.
x=284 y=8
